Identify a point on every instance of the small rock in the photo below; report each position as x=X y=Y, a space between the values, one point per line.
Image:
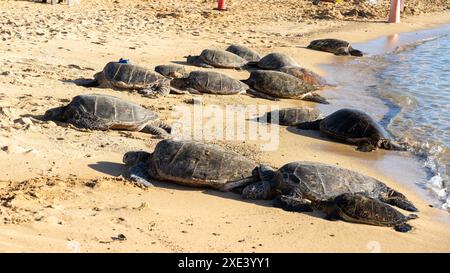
x=119 y=237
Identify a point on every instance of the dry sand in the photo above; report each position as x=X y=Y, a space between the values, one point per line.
x=61 y=188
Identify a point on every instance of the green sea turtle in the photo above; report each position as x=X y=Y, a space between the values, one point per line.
x=247 y=53
x=126 y=76
x=210 y=58
x=304 y=74
x=303 y=186
x=172 y=71
x=335 y=46
x=103 y=112
x=354 y=127
x=274 y=84
x=291 y=116
x=274 y=61
x=191 y=163
x=209 y=82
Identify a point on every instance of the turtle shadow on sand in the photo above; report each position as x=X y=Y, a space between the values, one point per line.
x=310 y=134
x=84 y=82
x=109 y=168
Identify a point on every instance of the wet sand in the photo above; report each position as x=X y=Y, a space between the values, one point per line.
x=61 y=188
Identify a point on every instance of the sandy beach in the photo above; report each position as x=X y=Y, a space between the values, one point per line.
x=61 y=188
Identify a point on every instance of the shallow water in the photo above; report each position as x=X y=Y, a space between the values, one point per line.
x=405 y=83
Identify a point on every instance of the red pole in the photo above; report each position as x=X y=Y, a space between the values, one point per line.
x=221 y=5
x=394 y=16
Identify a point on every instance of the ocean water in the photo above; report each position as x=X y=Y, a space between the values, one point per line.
x=407 y=89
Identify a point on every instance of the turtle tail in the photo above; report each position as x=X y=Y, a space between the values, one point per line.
x=310 y=125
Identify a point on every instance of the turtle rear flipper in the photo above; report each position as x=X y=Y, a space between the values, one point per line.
x=314 y=97
x=291 y=203
x=310 y=125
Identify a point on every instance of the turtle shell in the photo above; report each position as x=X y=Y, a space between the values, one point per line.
x=197 y=164
x=328 y=45
x=222 y=59
x=303 y=74
x=171 y=71
x=274 y=61
x=320 y=182
x=363 y=209
x=247 y=53
x=123 y=75
x=278 y=84
x=215 y=83
x=351 y=123
x=294 y=116
x=117 y=113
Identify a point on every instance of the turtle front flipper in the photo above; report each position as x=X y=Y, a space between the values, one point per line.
x=292 y=203
x=314 y=97
x=157 y=128
x=342 y=51
x=261 y=95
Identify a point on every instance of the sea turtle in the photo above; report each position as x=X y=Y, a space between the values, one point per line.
x=103 y=112
x=209 y=82
x=172 y=71
x=360 y=208
x=274 y=61
x=291 y=116
x=302 y=186
x=210 y=58
x=304 y=74
x=274 y=84
x=354 y=127
x=247 y=53
x=191 y=163
x=335 y=46
x=127 y=76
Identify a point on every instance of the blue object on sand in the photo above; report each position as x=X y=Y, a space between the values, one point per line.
x=124 y=61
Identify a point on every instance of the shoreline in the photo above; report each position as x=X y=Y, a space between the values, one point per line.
x=170 y=218
x=383 y=107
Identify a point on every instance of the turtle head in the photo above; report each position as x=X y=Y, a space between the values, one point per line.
x=191 y=59
x=134 y=157
x=55 y=114
x=179 y=83
x=355 y=52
